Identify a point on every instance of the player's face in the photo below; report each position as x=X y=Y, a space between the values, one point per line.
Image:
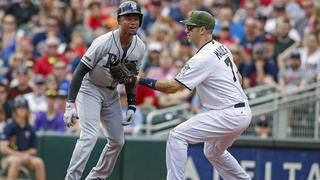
x=192 y=33
x=129 y=23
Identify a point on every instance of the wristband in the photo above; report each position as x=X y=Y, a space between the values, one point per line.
x=131 y=99
x=151 y=83
x=133 y=108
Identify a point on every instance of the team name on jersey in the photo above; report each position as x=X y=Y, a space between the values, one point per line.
x=114 y=60
x=220 y=51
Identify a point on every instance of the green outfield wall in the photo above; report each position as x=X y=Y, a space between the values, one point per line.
x=143 y=158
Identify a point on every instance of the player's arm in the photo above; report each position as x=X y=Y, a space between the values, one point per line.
x=76 y=81
x=166 y=86
x=131 y=92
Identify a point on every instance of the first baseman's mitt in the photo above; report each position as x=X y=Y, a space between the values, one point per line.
x=124 y=73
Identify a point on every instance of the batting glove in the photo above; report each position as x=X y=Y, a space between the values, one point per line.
x=70 y=115
x=129 y=115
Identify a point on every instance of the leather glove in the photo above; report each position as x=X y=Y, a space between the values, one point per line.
x=70 y=115
x=129 y=115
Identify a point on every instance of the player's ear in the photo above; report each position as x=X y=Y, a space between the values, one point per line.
x=118 y=19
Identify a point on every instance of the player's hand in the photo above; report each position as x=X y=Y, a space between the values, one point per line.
x=70 y=115
x=129 y=115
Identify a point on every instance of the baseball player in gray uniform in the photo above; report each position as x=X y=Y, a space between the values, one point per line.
x=93 y=96
x=212 y=72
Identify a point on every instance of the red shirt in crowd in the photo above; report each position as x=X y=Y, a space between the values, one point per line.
x=143 y=92
x=100 y=22
x=44 y=64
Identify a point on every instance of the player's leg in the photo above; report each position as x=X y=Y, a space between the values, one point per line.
x=111 y=118
x=233 y=123
x=177 y=145
x=88 y=107
x=209 y=126
x=228 y=167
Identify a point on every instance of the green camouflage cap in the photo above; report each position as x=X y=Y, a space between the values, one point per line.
x=200 y=18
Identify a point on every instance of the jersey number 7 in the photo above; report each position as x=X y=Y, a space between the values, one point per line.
x=229 y=64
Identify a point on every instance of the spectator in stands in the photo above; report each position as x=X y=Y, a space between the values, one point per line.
x=146 y=97
x=252 y=36
x=9 y=37
x=181 y=11
x=77 y=46
x=25 y=46
x=3 y=6
x=216 y=7
x=269 y=44
x=46 y=8
x=23 y=11
x=152 y=57
x=19 y=143
x=262 y=127
x=61 y=100
x=153 y=12
x=225 y=35
x=248 y=10
x=278 y=12
x=314 y=22
x=260 y=70
x=283 y=41
x=23 y=86
x=96 y=17
x=5 y=104
x=75 y=15
x=237 y=54
x=61 y=12
x=226 y=15
x=183 y=50
x=44 y=65
x=179 y=97
x=302 y=24
x=52 y=28
x=15 y=60
x=261 y=23
x=200 y=5
x=52 y=82
x=52 y=119
x=293 y=77
x=310 y=54
x=164 y=31
x=60 y=71
x=166 y=70
x=37 y=99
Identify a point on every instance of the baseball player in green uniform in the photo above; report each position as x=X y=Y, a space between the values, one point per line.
x=93 y=96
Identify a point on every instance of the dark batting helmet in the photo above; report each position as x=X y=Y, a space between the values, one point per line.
x=130 y=7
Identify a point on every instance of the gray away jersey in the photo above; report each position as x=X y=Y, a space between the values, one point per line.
x=106 y=49
x=214 y=75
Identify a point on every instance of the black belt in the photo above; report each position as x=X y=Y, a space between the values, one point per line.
x=239 y=105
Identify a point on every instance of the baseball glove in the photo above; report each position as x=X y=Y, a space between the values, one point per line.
x=124 y=73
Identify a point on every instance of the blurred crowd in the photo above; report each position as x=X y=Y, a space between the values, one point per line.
x=41 y=42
